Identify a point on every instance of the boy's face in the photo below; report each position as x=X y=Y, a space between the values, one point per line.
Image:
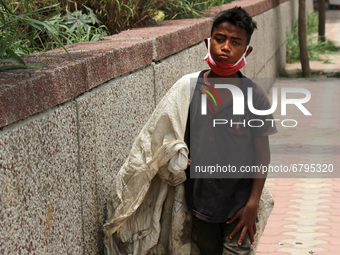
x=228 y=43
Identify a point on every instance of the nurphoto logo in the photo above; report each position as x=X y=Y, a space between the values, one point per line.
x=239 y=104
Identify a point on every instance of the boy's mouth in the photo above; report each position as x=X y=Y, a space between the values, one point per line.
x=223 y=58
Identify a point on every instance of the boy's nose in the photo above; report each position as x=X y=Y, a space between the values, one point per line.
x=226 y=46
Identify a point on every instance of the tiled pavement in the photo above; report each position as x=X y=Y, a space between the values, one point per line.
x=306 y=215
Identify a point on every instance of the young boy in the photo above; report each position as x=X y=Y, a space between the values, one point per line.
x=224 y=207
x=145 y=213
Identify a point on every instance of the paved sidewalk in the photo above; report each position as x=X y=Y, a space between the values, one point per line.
x=306 y=215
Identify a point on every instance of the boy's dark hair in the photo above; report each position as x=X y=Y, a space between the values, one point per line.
x=238 y=17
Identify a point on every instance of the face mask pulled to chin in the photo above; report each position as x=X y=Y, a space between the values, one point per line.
x=225 y=69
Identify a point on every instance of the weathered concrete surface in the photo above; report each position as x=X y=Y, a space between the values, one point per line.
x=40 y=194
x=109 y=119
x=168 y=70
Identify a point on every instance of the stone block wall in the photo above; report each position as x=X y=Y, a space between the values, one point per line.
x=66 y=130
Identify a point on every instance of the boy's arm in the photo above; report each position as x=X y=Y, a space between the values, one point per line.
x=247 y=214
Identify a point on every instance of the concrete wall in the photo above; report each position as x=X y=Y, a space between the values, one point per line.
x=58 y=157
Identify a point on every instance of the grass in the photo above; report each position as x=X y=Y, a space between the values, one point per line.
x=25 y=30
x=180 y=9
x=118 y=15
x=314 y=73
x=315 y=46
x=297 y=74
x=334 y=75
x=21 y=32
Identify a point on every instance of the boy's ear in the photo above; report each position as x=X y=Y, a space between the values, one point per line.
x=250 y=49
x=206 y=42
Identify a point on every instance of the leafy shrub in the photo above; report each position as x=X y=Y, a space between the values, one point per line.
x=78 y=26
x=21 y=34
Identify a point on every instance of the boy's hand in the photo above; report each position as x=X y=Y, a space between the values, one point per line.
x=247 y=215
x=246 y=222
x=189 y=161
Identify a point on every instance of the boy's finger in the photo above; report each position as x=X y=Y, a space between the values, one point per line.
x=236 y=229
x=251 y=235
x=243 y=234
x=233 y=218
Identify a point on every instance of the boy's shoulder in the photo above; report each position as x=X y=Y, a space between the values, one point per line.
x=188 y=81
x=258 y=93
x=257 y=90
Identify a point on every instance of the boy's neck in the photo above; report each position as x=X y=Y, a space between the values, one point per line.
x=211 y=74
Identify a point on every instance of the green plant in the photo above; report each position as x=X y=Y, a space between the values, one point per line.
x=81 y=35
x=78 y=26
x=284 y=73
x=119 y=15
x=334 y=75
x=78 y=18
x=23 y=33
x=179 y=9
x=17 y=30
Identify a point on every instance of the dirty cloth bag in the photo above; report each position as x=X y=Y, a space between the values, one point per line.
x=147 y=213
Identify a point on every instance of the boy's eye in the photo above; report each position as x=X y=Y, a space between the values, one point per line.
x=219 y=40
x=235 y=43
